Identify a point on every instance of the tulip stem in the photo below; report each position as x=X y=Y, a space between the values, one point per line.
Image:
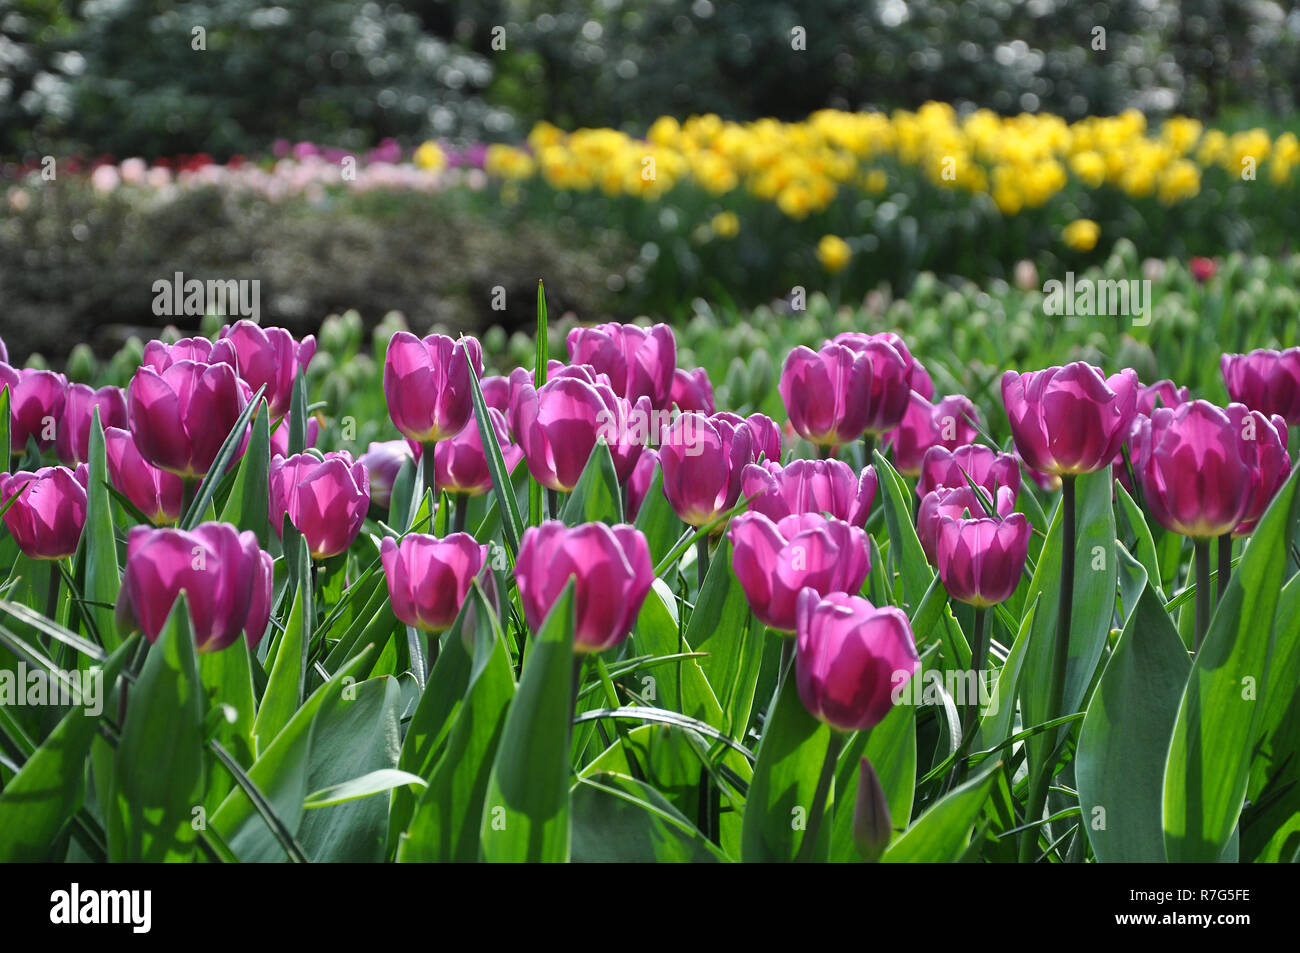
x=460 y=515
x=52 y=593
x=701 y=560
x=970 y=709
x=1202 y=549
x=868 y=447
x=1064 y=608
x=1225 y=563
x=189 y=489
x=552 y=504
x=824 y=451
x=578 y=661
x=809 y=844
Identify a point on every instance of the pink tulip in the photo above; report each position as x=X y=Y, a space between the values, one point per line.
x=496 y=393
x=265 y=356
x=427 y=384
x=612 y=573
x=1162 y=393
x=639 y=361
x=764 y=434
x=851 y=658
x=1165 y=393
x=429 y=578
x=383 y=461
x=180 y=417
x=1203 y=269
x=638 y=484
x=1270 y=465
x=774 y=561
x=828 y=393
x=159 y=355
x=984 y=466
x=949 y=424
x=280 y=435
x=1069 y=420
x=326 y=500
x=460 y=464
x=810 y=486
x=956 y=501
x=702 y=459
x=72 y=443
x=1197 y=477
x=981 y=560
x=226 y=578
x=36 y=401
x=557 y=425
x=692 y=391
x=47 y=518
x=858 y=341
x=159 y=495
x=1267 y=381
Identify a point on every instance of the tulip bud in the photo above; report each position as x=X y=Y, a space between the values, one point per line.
x=72 y=442
x=225 y=575
x=159 y=495
x=161 y=355
x=429 y=578
x=638 y=484
x=1270 y=465
x=557 y=425
x=47 y=518
x=948 y=424
x=265 y=356
x=427 y=384
x=639 y=362
x=702 y=459
x=691 y=391
x=181 y=416
x=383 y=461
x=460 y=464
x=810 y=486
x=872 y=825
x=828 y=393
x=1267 y=381
x=280 y=435
x=1069 y=420
x=612 y=573
x=980 y=561
x=955 y=501
x=36 y=401
x=764 y=435
x=985 y=467
x=326 y=500
x=775 y=561
x=851 y=658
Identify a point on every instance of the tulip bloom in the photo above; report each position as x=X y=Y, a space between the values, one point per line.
x=383 y=461
x=948 y=424
x=1069 y=420
x=225 y=575
x=810 y=486
x=955 y=501
x=826 y=393
x=764 y=434
x=638 y=484
x=774 y=561
x=496 y=392
x=692 y=391
x=264 y=356
x=429 y=578
x=640 y=362
x=280 y=435
x=1197 y=476
x=159 y=495
x=47 y=518
x=986 y=467
x=612 y=573
x=702 y=459
x=160 y=355
x=181 y=417
x=36 y=401
x=1270 y=465
x=1267 y=381
x=851 y=657
x=1164 y=392
x=326 y=500
x=556 y=426
x=981 y=560
x=857 y=341
x=72 y=443
x=427 y=384
x=460 y=464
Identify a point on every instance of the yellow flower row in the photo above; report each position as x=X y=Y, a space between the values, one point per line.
x=1019 y=161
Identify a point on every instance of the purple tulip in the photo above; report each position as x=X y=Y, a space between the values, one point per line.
x=1069 y=420
x=72 y=443
x=858 y=341
x=265 y=356
x=692 y=391
x=4 y=352
x=429 y=578
x=1164 y=392
x=949 y=424
x=764 y=434
x=1267 y=381
x=985 y=466
x=47 y=518
x=326 y=500
x=226 y=578
x=460 y=465
x=159 y=495
x=981 y=560
x=828 y=393
x=496 y=393
x=774 y=561
x=851 y=658
x=612 y=573
x=159 y=355
x=1196 y=475
x=557 y=425
x=36 y=401
x=427 y=384
x=638 y=484
x=1270 y=465
x=280 y=435
x=639 y=361
x=383 y=461
x=810 y=486
x=702 y=459
x=956 y=501
x=180 y=417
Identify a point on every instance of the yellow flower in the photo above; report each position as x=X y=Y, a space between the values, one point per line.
x=1081 y=234
x=877 y=181
x=429 y=156
x=725 y=225
x=834 y=253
